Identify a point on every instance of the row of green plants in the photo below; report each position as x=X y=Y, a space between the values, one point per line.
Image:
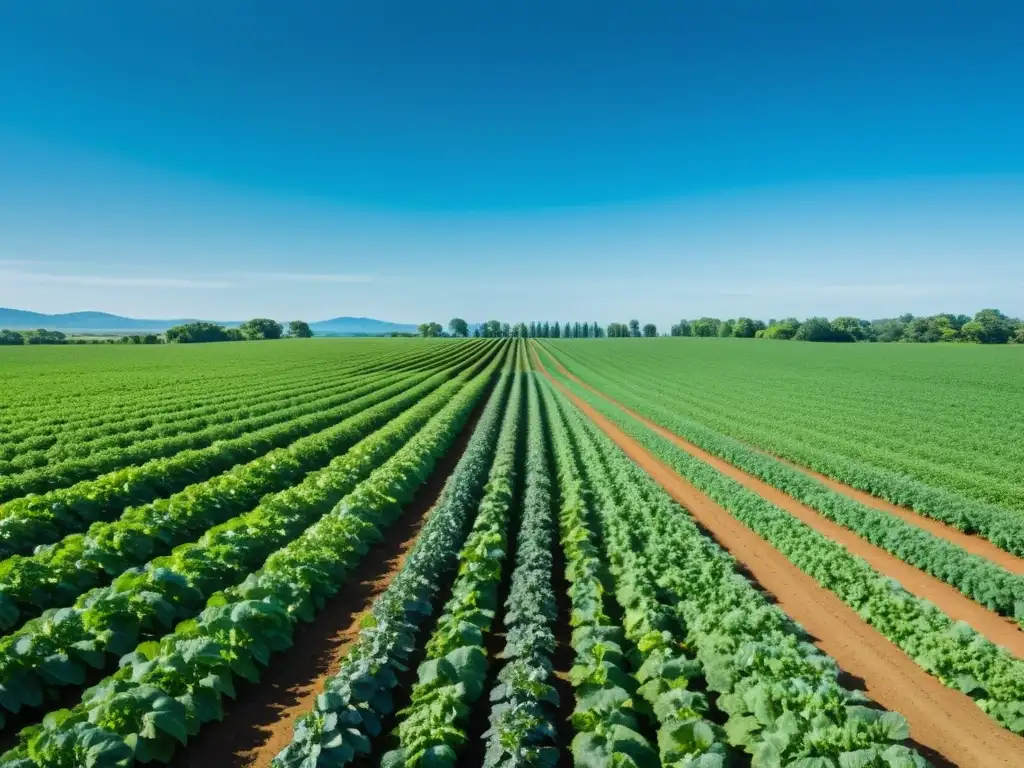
x=523 y=730
x=977 y=578
x=95 y=463
x=57 y=574
x=358 y=698
x=951 y=651
x=999 y=523
x=32 y=520
x=167 y=689
x=57 y=649
x=434 y=726
x=29 y=521
x=606 y=719
x=660 y=663
x=121 y=401
x=916 y=435
x=697 y=622
x=255 y=399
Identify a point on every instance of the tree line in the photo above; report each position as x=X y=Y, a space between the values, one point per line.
x=187 y=333
x=989 y=326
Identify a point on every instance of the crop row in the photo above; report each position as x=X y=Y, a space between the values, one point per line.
x=254 y=398
x=33 y=520
x=94 y=463
x=453 y=676
x=358 y=697
x=167 y=689
x=1002 y=526
x=137 y=407
x=59 y=573
x=912 y=436
x=976 y=577
x=780 y=696
x=523 y=729
x=951 y=651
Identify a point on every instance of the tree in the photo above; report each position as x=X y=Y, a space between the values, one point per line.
x=725 y=329
x=684 y=328
x=706 y=326
x=476 y=332
x=546 y=330
x=745 y=328
x=261 y=328
x=429 y=330
x=815 y=329
x=996 y=327
x=300 y=329
x=556 y=332
x=200 y=332
x=650 y=330
x=11 y=338
x=506 y=330
x=634 y=328
x=847 y=329
x=458 y=327
x=43 y=336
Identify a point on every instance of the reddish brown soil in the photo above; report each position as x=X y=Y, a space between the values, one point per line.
x=998 y=629
x=259 y=723
x=946 y=725
x=976 y=545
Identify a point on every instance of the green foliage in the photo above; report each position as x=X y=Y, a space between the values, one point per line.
x=11 y=338
x=299 y=329
x=706 y=326
x=433 y=727
x=458 y=327
x=261 y=328
x=650 y=330
x=952 y=652
x=429 y=330
x=197 y=333
x=187 y=672
x=354 y=701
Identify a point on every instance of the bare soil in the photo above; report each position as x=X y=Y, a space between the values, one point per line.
x=946 y=726
x=259 y=723
x=999 y=629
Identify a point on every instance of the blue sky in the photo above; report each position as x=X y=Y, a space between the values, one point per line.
x=413 y=161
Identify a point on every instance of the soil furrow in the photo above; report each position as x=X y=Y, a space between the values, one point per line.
x=948 y=727
x=976 y=545
x=999 y=629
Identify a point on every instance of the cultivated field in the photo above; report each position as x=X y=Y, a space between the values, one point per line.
x=627 y=552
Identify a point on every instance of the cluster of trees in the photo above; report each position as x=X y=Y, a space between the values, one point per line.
x=41 y=336
x=495 y=329
x=149 y=338
x=989 y=326
x=251 y=330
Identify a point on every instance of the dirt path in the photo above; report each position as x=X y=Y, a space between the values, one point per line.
x=946 y=725
x=259 y=723
x=999 y=629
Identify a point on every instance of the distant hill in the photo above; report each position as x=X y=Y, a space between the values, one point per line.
x=357 y=326
x=100 y=322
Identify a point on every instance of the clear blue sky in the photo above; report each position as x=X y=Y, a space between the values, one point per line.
x=595 y=159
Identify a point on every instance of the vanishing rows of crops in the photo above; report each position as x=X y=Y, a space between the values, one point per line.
x=952 y=651
x=936 y=428
x=556 y=606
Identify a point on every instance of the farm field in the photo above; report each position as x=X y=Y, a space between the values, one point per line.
x=511 y=553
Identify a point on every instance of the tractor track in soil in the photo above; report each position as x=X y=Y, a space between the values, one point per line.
x=946 y=726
